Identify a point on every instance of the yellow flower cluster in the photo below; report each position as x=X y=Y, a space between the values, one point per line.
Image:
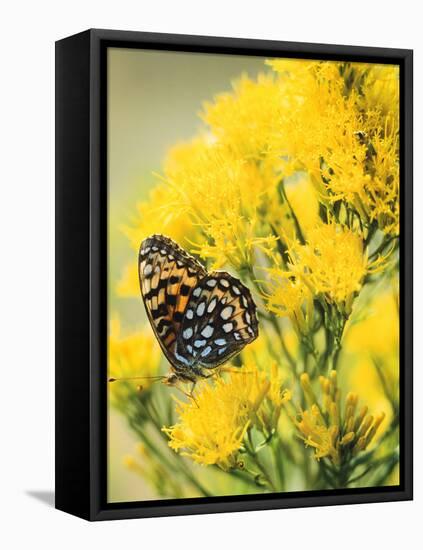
x=212 y=427
x=161 y=213
x=133 y=355
x=221 y=195
x=247 y=120
x=288 y=296
x=341 y=124
x=331 y=263
x=334 y=433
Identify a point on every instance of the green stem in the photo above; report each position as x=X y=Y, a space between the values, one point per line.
x=277 y=457
x=343 y=474
x=243 y=475
x=382 y=246
x=254 y=456
x=386 y=459
x=294 y=217
x=380 y=480
x=385 y=386
x=335 y=357
x=284 y=347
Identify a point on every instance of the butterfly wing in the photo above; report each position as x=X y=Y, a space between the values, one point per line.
x=220 y=319
x=167 y=277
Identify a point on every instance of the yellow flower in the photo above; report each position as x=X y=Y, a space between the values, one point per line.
x=161 y=213
x=340 y=123
x=333 y=435
x=211 y=429
x=277 y=395
x=221 y=195
x=381 y=90
x=286 y=295
x=136 y=354
x=247 y=119
x=332 y=262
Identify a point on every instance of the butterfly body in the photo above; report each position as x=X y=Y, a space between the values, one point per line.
x=200 y=319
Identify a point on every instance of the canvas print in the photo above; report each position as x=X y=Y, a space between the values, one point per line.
x=253 y=275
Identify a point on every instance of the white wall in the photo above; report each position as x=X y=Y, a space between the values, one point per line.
x=28 y=32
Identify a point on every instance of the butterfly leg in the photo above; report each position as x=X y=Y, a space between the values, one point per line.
x=189 y=394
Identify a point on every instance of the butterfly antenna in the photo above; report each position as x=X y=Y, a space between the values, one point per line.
x=129 y=378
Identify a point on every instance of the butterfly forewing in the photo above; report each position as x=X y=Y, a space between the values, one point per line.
x=167 y=276
x=220 y=319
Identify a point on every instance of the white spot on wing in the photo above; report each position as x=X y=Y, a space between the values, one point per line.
x=147 y=270
x=200 y=309
x=207 y=331
x=224 y=283
x=236 y=290
x=197 y=292
x=211 y=283
x=227 y=327
x=226 y=312
x=187 y=333
x=220 y=342
x=189 y=314
x=206 y=351
x=200 y=343
x=212 y=305
x=182 y=359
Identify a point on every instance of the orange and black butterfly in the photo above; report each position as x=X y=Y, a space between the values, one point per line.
x=200 y=319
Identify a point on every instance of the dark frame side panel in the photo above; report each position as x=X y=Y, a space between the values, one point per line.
x=72 y=384
x=81 y=273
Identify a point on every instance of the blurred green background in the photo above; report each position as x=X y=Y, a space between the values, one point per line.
x=154 y=98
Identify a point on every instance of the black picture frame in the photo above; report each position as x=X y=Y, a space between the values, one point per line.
x=81 y=273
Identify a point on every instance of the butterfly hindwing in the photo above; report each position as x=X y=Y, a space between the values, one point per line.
x=220 y=319
x=167 y=277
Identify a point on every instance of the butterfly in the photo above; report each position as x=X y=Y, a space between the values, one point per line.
x=200 y=319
